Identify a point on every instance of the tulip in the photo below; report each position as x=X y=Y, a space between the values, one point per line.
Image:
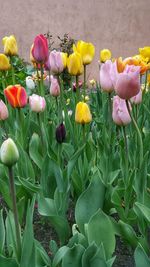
x=37 y=103
x=80 y=83
x=10 y=46
x=137 y=99
x=16 y=95
x=3 y=111
x=4 y=62
x=57 y=61
x=82 y=113
x=105 y=55
x=47 y=65
x=74 y=64
x=9 y=154
x=40 y=50
x=106 y=81
x=145 y=52
x=128 y=83
x=30 y=84
x=54 y=88
x=120 y=112
x=60 y=133
x=86 y=50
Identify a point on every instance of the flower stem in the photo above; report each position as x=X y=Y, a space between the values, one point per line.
x=138 y=133
x=61 y=99
x=15 y=211
x=38 y=79
x=41 y=134
x=84 y=82
x=77 y=88
x=42 y=84
x=12 y=71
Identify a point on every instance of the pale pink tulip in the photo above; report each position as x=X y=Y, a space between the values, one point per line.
x=37 y=103
x=3 y=111
x=137 y=99
x=127 y=83
x=54 y=88
x=120 y=113
x=106 y=76
x=56 y=62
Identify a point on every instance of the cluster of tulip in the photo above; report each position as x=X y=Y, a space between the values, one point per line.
x=31 y=115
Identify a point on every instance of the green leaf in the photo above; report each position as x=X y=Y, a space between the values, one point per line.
x=128 y=233
x=145 y=211
x=73 y=257
x=34 y=150
x=59 y=256
x=100 y=231
x=51 y=177
x=6 y=262
x=90 y=201
x=2 y=233
x=141 y=259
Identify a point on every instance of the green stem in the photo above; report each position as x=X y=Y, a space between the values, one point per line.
x=77 y=88
x=61 y=100
x=83 y=131
x=38 y=79
x=20 y=124
x=42 y=83
x=110 y=107
x=138 y=133
x=41 y=134
x=145 y=81
x=15 y=211
x=84 y=82
x=12 y=71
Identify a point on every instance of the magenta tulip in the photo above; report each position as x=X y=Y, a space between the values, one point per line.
x=37 y=103
x=120 y=113
x=3 y=111
x=40 y=50
x=106 y=81
x=54 y=88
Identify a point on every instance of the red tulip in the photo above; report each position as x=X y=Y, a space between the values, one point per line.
x=16 y=95
x=40 y=50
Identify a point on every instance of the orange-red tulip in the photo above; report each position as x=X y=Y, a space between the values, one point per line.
x=16 y=95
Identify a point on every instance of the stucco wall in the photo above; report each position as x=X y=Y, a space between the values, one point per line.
x=120 y=25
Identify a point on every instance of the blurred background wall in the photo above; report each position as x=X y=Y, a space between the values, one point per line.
x=120 y=25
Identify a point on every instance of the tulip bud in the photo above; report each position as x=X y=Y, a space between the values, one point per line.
x=106 y=80
x=60 y=133
x=40 y=50
x=120 y=112
x=3 y=111
x=37 y=103
x=4 y=62
x=105 y=54
x=10 y=45
x=54 y=88
x=57 y=62
x=30 y=83
x=9 y=154
x=82 y=113
x=75 y=64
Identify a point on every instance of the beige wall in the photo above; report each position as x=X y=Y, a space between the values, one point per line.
x=120 y=25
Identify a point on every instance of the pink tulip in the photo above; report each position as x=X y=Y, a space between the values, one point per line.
x=47 y=64
x=120 y=113
x=54 y=88
x=106 y=76
x=3 y=111
x=137 y=99
x=127 y=83
x=40 y=50
x=56 y=62
x=37 y=103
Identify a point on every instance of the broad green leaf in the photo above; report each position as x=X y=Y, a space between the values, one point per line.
x=145 y=211
x=59 y=256
x=73 y=257
x=100 y=231
x=141 y=259
x=90 y=201
x=2 y=233
x=8 y=262
x=34 y=150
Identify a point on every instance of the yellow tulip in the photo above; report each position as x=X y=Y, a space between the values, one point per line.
x=82 y=113
x=10 y=46
x=74 y=64
x=64 y=58
x=145 y=52
x=86 y=50
x=105 y=54
x=4 y=62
